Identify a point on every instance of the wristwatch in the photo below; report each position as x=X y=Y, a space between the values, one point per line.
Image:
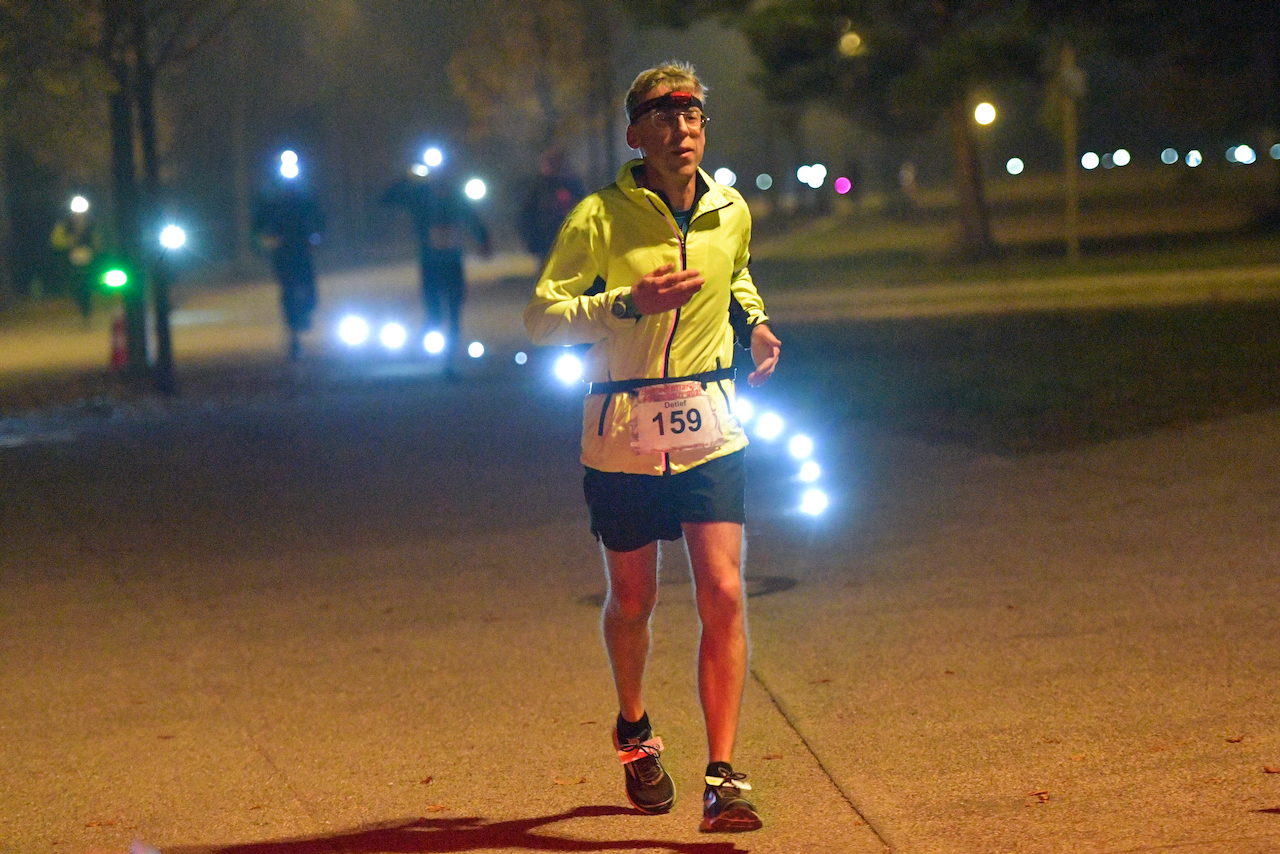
x=624 y=307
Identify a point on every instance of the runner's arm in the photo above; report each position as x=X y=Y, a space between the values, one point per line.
x=569 y=303
x=746 y=308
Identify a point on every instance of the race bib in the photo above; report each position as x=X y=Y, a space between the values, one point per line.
x=674 y=417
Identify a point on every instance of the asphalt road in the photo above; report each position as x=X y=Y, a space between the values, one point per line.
x=352 y=608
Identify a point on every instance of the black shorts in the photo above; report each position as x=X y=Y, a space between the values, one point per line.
x=632 y=510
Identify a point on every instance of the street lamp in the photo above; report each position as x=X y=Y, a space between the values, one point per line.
x=173 y=237
x=289 y=164
x=984 y=113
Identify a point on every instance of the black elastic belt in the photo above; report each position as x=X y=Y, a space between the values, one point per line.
x=620 y=386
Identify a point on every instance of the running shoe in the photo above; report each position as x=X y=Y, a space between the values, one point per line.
x=724 y=809
x=649 y=787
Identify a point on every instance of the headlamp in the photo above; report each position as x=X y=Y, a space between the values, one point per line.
x=679 y=100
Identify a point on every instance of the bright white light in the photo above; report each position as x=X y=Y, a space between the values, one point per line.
x=1014 y=166
x=1169 y=156
x=800 y=446
x=770 y=426
x=475 y=189
x=173 y=237
x=813 y=502
x=393 y=336
x=744 y=410
x=420 y=169
x=1194 y=158
x=1275 y=151
x=79 y=205
x=764 y=180
x=802 y=174
x=289 y=170
x=809 y=472
x=433 y=342
x=984 y=113
x=1245 y=155
x=433 y=157
x=522 y=357
x=817 y=174
x=1090 y=160
x=569 y=369
x=725 y=175
x=1121 y=157
x=353 y=330
x=288 y=156
x=475 y=349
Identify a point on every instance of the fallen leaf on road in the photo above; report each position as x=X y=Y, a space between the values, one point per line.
x=427 y=781
x=437 y=808
x=1052 y=740
x=560 y=782
x=819 y=681
x=949 y=672
x=1235 y=739
x=256 y=807
x=101 y=823
x=772 y=756
x=1042 y=795
x=1270 y=769
x=584 y=723
x=1079 y=757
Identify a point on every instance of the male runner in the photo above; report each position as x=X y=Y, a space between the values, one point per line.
x=652 y=271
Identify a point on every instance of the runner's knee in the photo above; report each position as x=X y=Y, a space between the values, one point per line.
x=720 y=598
x=631 y=603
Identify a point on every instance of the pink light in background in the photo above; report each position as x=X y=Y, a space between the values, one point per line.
x=843 y=185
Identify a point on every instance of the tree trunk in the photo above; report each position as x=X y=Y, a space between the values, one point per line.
x=975 y=221
x=8 y=289
x=145 y=94
x=241 y=183
x=124 y=192
x=596 y=15
x=1272 y=217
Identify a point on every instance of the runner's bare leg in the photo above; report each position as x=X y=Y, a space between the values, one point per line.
x=715 y=554
x=628 y=604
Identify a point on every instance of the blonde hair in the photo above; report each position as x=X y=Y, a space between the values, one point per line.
x=677 y=74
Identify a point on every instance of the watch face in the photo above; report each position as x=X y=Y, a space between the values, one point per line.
x=619 y=310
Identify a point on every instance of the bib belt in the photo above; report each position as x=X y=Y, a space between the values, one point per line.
x=628 y=386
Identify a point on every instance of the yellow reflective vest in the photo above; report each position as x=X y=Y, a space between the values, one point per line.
x=610 y=241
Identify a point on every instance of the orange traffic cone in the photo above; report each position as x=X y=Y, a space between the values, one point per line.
x=119 y=341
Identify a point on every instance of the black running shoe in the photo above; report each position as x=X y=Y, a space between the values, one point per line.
x=649 y=787
x=724 y=810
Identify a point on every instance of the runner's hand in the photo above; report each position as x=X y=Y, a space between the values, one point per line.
x=664 y=289
x=765 y=349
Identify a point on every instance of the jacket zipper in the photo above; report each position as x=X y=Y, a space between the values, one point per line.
x=675 y=320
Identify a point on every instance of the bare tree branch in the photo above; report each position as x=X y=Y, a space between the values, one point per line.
x=173 y=52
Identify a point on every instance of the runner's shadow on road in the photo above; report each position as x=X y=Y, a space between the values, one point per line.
x=430 y=835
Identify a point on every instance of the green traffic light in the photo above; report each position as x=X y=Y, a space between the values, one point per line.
x=115 y=278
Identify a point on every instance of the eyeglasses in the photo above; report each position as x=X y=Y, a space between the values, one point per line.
x=669 y=119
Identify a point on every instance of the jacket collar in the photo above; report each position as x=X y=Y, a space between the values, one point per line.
x=710 y=195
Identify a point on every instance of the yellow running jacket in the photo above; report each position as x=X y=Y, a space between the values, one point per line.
x=610 y=241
